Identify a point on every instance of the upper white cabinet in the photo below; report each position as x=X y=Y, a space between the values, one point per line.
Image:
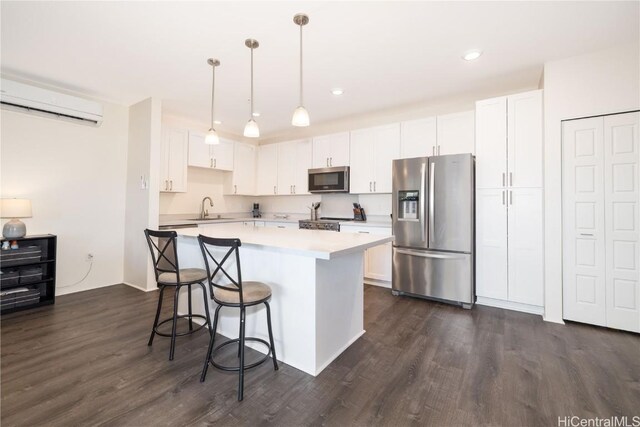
x=372 y=153
x=243 y=179
x=509 y=141
x=267 y=174
x=418 y=138
x=456 y=133
x=294 y=162
x=173 y=160
x=219 y=156
x=331 y=150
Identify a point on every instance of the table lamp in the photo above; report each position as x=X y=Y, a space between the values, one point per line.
x=14 y=209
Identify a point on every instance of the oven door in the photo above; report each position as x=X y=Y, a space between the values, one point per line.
x=329 y=180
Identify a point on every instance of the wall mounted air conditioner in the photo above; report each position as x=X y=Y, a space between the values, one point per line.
x=32 y=99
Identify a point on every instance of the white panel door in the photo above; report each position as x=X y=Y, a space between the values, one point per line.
x=267 y=176
x=491 y=243
x=164 y=161
x=303 y=151
x=583 y=221
x=386 y=150
x=622 y=219
x=491 y=143
x=526 y=270
x=418 y=138
x=362 y=155
x=339 y=154
x=286 y=166
x=456 y=133
x=321 y=151
x=199 y=152
x=222 y=155
x=178 y=158
x=525 y=139
x=244 y=169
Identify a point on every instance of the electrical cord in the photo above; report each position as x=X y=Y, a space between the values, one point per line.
x=83 y=277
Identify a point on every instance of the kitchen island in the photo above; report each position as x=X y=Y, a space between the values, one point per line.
x=316 y=278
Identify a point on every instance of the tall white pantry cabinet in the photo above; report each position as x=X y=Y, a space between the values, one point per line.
x=509 y=214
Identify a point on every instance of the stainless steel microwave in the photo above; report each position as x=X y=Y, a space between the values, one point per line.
x=329 y=180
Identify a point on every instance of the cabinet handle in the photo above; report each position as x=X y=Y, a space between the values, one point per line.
x=433 y=150
x=280 y=226
x=511 y=197
x=235 y=189
x=503 y=197
x=327 y=162
x=503 y=179
x=370 y=183
x=274 y=190
x=294 y=189
x=438 y=150
x=171 y=185
x=215 y=163
x=511 y=179
x=363 y=232
x=331 y=161
x=374 y=186
x=166 y=185
x=210 y=162
x=586 y=234
x=291 y=189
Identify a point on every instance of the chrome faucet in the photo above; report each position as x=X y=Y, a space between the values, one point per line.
x=205 y=213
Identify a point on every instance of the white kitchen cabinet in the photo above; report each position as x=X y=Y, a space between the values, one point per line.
x=331 y=150
x=601 y=262
x=491 y=244
x=294 y=162
x=377 y=260
x=242 y=181
x=418 y=138
x=456 y=133
x=219 y=156
x=509 y=141
x=267 y=174
x=173 y=160
x=372 y=153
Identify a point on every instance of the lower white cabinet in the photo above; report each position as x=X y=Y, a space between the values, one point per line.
x=173 y=160
x=242 y=181
x=377 y=260
x=509 y=248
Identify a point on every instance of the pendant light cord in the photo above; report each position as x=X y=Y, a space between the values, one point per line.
x=301 y=99
x=213 y=87
x=251 y=118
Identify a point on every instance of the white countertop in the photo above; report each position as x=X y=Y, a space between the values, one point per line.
x=169 y=220
x=313 y=243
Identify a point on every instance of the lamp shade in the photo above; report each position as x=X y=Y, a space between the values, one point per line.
x=251 y=129
x=212 y=137
x=300 y=117
x=15 y=208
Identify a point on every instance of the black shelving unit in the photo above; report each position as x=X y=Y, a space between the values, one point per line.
x=47 y=262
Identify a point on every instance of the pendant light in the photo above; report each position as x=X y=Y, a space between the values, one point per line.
x=300 y=115
x=212 y=136
x=251 y=129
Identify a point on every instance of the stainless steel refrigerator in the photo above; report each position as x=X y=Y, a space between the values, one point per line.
x=433 y=225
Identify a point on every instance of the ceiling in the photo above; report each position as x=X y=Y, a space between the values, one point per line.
x=383 y=54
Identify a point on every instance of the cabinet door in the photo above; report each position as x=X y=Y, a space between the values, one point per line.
x=526 y=272
x=164 y=161
x=386 y=150
x=267 y=177
x=301 y=167
x=456 y=133
x=244 y=169
x=583 y=224
x=286 y=166
x=199 y=152
x=321 y=150
x=418 y=138
x=178 y=153
x=223 y=155
x=491 y=244
x=622 y=219
x=491 y=143
x=378 y=262
x=525 y=139
x=339 y=153
x=362 y=154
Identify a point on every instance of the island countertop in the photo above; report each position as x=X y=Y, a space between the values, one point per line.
x=313 y=243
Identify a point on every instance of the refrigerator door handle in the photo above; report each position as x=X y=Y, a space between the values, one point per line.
x=432 y=199
x=423 y=190
x=424 y=254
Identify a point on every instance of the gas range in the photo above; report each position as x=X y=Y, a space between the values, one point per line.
x=324 y=223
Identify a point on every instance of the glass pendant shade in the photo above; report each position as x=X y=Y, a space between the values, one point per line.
x=251 y=129
x=212 y=137
x=300 y=117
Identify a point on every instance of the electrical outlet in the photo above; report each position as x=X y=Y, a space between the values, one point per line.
x=89 y=257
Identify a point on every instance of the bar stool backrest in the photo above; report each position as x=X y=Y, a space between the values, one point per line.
x=206 y=244
x=164 y=253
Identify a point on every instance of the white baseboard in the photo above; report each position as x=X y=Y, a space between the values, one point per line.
x=375 y=282
x=510 y=305
x=140 y=288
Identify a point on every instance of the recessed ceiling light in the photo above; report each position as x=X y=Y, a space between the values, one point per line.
x=255 y=114
x=217 y=122
x=472 y=54
x=337 y=91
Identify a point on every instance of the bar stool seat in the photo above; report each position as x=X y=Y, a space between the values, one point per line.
x=252 y=293
x=187 y=275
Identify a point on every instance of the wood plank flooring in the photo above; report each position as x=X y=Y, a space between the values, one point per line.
x=85 y=361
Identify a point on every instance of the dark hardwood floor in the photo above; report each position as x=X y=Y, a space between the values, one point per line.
x=85 y=361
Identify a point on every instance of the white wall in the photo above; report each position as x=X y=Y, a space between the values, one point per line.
x=142 y=204
x=74 y=175
x=598 y=83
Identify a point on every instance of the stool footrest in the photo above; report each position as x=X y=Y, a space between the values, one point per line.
x=237 y=368
x=181 y=334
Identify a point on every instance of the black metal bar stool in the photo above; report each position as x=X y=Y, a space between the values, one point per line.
x=237 y=294
x=164 y=254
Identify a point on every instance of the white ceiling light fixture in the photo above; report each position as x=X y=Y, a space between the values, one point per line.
x=300 y=115
x=472 y=55
x=251 y=129
x=212 y=136
x=337 y=91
